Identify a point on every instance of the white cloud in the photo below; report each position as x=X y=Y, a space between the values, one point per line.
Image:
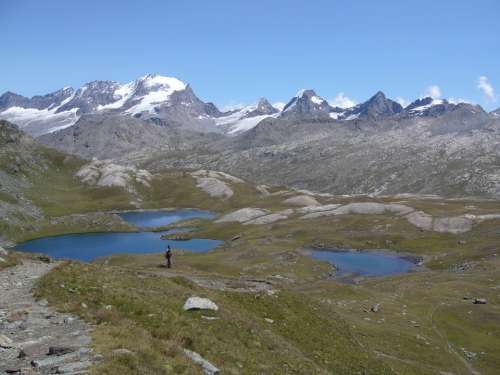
x=485 y=86
x=433 y=91
x=279 y=105
x=342 y=101
x=404 y=102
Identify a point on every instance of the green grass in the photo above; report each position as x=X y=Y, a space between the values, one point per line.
x=305 y=338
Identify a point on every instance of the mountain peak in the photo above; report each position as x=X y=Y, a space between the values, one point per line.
x=379 y=95
x=159 y=81
x=265 y=108
x=377 y=106
x=307 y=102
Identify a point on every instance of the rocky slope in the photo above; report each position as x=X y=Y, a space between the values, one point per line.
x=121 y=137
x=452 y=154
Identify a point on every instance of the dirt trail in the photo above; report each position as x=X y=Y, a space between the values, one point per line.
x=33 y=338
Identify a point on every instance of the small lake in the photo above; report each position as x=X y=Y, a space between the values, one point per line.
x=364 y=263
x=88 y=246
x=158 y=218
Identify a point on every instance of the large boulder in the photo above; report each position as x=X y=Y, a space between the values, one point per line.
x=198 y=303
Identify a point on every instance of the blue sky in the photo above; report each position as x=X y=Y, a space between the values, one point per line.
x=237 y=51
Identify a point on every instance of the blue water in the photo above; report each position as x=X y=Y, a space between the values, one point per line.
x=88 y=246
x=363 y=263
x=151 y=219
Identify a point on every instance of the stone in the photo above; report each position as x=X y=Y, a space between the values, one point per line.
x=375 y=308
x=209 y=317
x=3 y=252
x=208 y=368
x=480 y=301
x=54 y=360
x=60 y=350
x=198 y=303
x=269 y=320
x=302 y=201
x=122 y=351
x=5 y=342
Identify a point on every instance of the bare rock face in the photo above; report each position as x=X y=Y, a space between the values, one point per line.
x=243 y=215
x=271 y=218
x=106 y=173
x=453 y=225
x=302 y=201
x=214 y=187
x=372 y=208
x=216 y=184
x=362 y=208
x=420 y=219
x=457 y=224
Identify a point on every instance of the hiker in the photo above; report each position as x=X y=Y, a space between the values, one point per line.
x=168 y=256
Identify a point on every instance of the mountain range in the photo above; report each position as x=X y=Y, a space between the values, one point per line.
x=430 y=146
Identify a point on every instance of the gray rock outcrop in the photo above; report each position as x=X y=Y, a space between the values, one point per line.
x=107 y=173
x=242 y=215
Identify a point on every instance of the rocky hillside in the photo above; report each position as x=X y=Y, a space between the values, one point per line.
x=37 y=183
x=123 y=138
x=22 y=161
x=455 y=153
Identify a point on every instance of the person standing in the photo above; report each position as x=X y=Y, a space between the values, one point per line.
x=168 y=256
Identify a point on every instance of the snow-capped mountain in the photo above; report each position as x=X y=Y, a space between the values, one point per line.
x=148 y=97
x=168 y=101
x=241 y=120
